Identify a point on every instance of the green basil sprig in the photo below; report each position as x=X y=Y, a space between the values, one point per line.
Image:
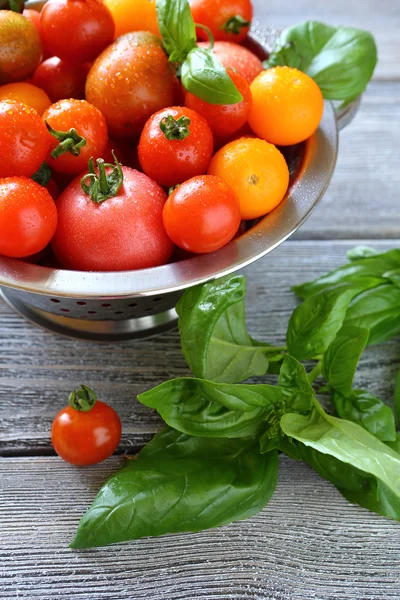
x=202 y=73
x=180 y=483
x=340 y=59
x=219 y=464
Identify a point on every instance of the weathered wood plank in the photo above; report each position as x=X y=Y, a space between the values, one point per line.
x=381 y=17
x=38 y=369
x=307 y=544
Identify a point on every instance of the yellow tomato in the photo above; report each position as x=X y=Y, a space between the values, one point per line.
x=27 y=94
x=133 y=15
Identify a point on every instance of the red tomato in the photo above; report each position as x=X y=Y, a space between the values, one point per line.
x=176 y=144
x=32 y=15
x=28 y=217
x=238 y=58
x=224 y=119
x=122 y=233
x=24 y=140
x=202 y=214
x=76 y=30
x=60 y=79
x=87 y=431
x=53 y=189
x=227 y=19
x=88 y=123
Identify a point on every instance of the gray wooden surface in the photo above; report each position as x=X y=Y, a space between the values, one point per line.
x=308 y=543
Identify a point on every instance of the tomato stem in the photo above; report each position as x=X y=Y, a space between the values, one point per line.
x=70 y=141
x=209 y=33
x=235 y=25
x=43 y=174
x=102 y=185
x=16 y=5
x=82 y=399
x=175 y=129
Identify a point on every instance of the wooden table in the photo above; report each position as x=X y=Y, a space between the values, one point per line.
x=308 y=543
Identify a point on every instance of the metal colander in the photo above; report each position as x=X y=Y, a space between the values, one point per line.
x=124 y=305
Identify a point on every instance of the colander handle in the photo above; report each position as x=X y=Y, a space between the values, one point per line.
x=344 y=116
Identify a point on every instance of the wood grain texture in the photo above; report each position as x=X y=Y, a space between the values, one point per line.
x=38 y=369
x=381 y=17
x=307 y=544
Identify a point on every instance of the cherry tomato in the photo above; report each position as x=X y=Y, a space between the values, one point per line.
x=238 y=58
x=33 y=16
x=227 y=19
x=133 y=15
x=256 y=170
x=224 y=119
x=87 y=431
x=202 y=214
x=23 y=139
x=20 y=47
x=89 y=125
x=176 y=144
x=27 y=94
x=60 y=79
x=28 y=217
x=76 y=30
x=287 y=106
x=131 y=80
x=122 y=233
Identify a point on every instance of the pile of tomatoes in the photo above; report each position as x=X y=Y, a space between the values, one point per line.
x=107 y=162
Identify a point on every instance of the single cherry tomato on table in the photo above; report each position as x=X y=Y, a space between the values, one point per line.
x=256 y=170
x=77 y=132
x=111 y=220
x=133 y=15
x=224 y=119
x=60 y=79
x=76 y=30
x=176 y=144
x=87 y=431
x=26 y=93
x=238 y=58
x=131 y=80
x=20 y=47
x=28 y=217
x=24 y=140
x=227 y=19
x=287 y=106
x=202 y=214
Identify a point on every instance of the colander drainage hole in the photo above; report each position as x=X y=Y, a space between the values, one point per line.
x=81 y=303
x=64 y=309
x=119 y=312
x=149 y=309
x=157 y=299
x=106 y=305
x=55 y=300
x=92 y=312
x=134 y=305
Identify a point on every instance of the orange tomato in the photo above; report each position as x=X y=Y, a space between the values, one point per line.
x=27 y=94
x=287 y=106
x=133 y=15
x=20 y=47
x=256 y=170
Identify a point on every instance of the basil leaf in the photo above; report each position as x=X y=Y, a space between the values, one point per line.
x=356 y=486
x=294 y=384
x=395 y=445
x=393 y=276
x=366 y=272
x=378 y=310
x=397 y=398
x=214 y=337
x=341 y=60
x=360 y=252
x=204 y=76
x=368 y=411
x=341 y=358
x=177 y=28
x=347 y=442
x=180 y=484
x=206 y=409
x=314 y=324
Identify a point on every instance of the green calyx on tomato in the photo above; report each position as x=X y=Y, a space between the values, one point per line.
x=14 y=5
x=82 y=399
x=175 y=129
x=235 y=25
x=43 y=174
x=202 y=73
x=103 y=185
x=70 y=141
